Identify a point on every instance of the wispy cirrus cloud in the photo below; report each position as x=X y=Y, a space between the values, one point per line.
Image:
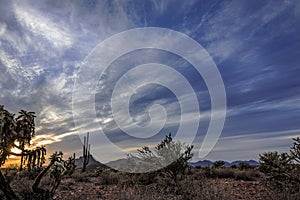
x=255 y=45
x=39 y=25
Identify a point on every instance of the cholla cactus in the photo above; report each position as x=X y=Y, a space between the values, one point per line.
x=295 y=150
x=33 y=159
x=58 y=168
x=283 y=170
x=17 y=132
x=70 y=165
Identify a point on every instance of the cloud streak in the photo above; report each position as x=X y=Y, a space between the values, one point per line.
x=255 y=46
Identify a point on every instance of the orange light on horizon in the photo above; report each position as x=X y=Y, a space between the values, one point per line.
x=15 y=150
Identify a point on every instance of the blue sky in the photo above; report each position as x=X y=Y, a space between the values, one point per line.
x=254 y=44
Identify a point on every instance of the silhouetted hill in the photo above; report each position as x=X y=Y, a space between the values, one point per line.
x=116 y=163
x=92 y=162
x=202 y=163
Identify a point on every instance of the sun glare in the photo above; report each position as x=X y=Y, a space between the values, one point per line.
x=15 y=150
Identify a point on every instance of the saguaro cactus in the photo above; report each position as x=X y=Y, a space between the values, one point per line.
x=86 y=152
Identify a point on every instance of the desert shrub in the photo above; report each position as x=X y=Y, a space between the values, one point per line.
x=12 y=167
x=95 y=172
x=9 y=174
x=201 y=189
x=295 y=150
x=79 y=177
x=169 y=156
x=223 y=173
x=228 y=172
x=282 y=170
x=145 y=178
x=218 y=164
x=208 y=172
x=22 y=187
x=108 y=177
x=32 y=174
x=198 y=173
x=246 y=175
x=2 y=196
x=244 y=166
x=233 y=167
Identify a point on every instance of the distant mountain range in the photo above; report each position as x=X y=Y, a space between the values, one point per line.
x=208 y=163
x=120 y=162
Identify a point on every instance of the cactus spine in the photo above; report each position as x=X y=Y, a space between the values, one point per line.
x=86 y=152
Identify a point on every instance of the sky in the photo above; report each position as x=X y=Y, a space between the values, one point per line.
x=255 y=45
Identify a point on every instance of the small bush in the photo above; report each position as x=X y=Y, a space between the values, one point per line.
x=169 y=156
x=32 y=174
x=223 y=173
x=233 y=166
x=218 y=164
x=145 y=178
x=79 y=177
x=244 y=166
x=109 y=178
x=246 y=175
x=23 y=189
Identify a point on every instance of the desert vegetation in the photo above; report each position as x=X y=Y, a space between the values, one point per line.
x=283 y=171
x=17 y=132
x=86 y=152
x=162 y=172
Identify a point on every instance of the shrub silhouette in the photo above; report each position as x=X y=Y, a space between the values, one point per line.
x=244 y=166
x=218 y=164
x=169 y=156
x=295 y=150
x=282 y=169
